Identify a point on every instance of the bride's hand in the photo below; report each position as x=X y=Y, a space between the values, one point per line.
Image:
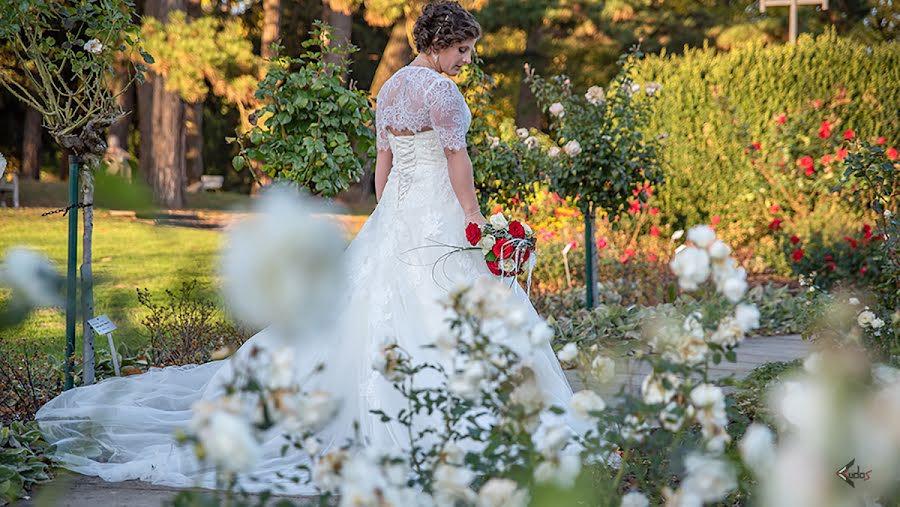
x=477 y=219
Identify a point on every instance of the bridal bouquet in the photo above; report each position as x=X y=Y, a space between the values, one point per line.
x=507 y=245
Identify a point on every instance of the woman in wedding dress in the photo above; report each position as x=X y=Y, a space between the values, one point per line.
x=123 y=428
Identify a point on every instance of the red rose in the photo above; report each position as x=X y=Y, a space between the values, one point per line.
x=473 y=234
x=851 y=241
x=601 y=243
x=654 y=211
x=715 y=219
x=881 y=140
x=503 y=249
x=795 y=240
x=849 y=134
x=797 y=254
x=781 y=119
x=774 y=208
x=775 y=224
x=832 y=266
x=825 y=130
x=654 y=231
x=891 y=153
x=494 y=267
x=634 y=206
x=867 y=231
x=652 y=257
x=807 y=164
x=841 y=154
x=863 y=270
x=757 y=146
x=826 y=159
x=829 y=258
x=516 y=230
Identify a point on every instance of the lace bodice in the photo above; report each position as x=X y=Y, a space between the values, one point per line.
x=418 y=99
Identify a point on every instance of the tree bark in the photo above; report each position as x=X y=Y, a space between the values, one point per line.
x=31 y=144
x=63 y=163
x=527 y=113
x=271 y=27
x=162 y=127
x=193 y=126
x=342 y=23
x=396 y=54
x=87 y=273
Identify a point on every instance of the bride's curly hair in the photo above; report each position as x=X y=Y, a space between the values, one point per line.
x=442 y=24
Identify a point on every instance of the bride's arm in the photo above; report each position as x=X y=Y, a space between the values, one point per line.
x=383 y=164
x=463 y=182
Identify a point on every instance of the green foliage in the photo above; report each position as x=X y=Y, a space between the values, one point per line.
x=205 y=55
x=22 y=460
x=715 y=105
x=64 y=53
x=314 y=127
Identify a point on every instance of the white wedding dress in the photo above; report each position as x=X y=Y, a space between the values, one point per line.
x=123 y=428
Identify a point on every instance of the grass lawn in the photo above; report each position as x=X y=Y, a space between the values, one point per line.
x=127 y=254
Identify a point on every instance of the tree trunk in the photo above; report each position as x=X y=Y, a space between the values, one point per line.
x=63 y=163
x=271 y=27
x=396 y=54
x=342 y=23
x=31 y=144
x=87 y=276
x=117 y=140
x=162 y=127
x=527 y=113
x=193 y=126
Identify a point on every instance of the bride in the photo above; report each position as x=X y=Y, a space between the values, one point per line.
x=123 y=428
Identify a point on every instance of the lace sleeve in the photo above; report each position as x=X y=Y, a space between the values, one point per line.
x=381 y=104
x=450 y=116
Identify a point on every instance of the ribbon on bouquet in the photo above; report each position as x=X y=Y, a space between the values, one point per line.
x=520 y=246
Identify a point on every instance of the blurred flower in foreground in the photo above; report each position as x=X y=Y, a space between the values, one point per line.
x=282 y=266
x=34 y=283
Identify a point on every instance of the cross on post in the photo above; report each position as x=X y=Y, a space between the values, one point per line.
x=793 y=4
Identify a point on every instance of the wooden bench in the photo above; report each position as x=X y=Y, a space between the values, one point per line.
x=211 y=181
x=9 y=183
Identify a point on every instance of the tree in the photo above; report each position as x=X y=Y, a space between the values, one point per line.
x=606 y=156
x=31 y=144
x=162 y=113
x=314 y=127
x=64 y=51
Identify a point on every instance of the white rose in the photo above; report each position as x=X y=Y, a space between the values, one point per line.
x=553 y=152
x=853 y=301
x=501 y=493
x=32 y=278
x=540 y=334
x=709 y=479
x=701 y=235
x=228 y=442
x=758 y=448
x=531 y=142
x=493 y=141
x=93 y=46
x=635 y=499
x=719 y=250
x=865 y=318
x=522 y=133
x=691 y=266
x=499 y=221
x=734 y=288
x=595 y=95
x=487 y=242
x=572 y=148
x=451 y=483
x=568 y=353
x=652 y=88
x=561 y=472
x=654 y=390
x=603 y=368
x=747 y=316
x=508 y=266
x=584 y=402
x=551 y=438
x=557 y=109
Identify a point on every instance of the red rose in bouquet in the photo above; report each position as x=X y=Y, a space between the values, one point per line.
x=507 y=245
x=473 y=234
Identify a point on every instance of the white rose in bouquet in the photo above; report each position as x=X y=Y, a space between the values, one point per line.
x=498 y=221
x=557 y=109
